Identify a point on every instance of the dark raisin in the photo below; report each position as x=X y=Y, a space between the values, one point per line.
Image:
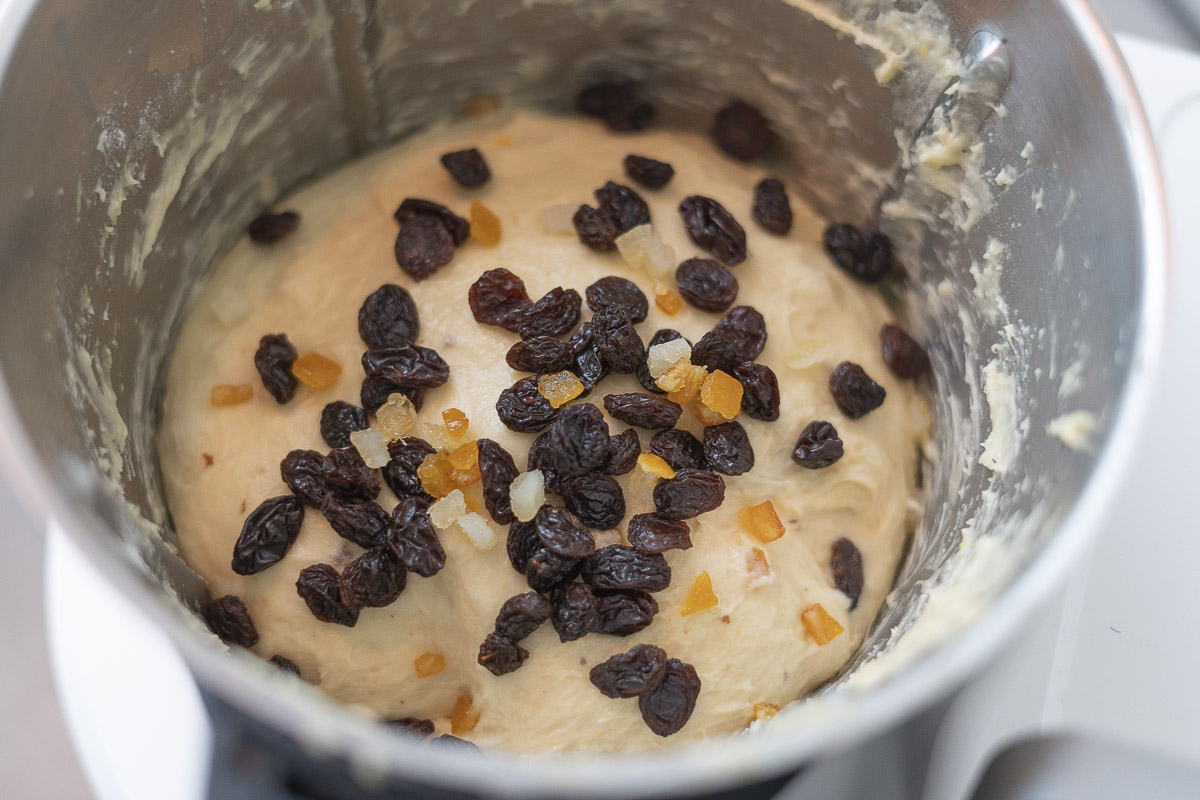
x=771 y=208
x=453 y=744
x=273 y=360
x=349 y=477
x=413 y=207
x=818 y=446
x=577 y=443
x=866 y=254
x=588 y=366
x=413 y=726
x=304 y=473
x=718 y=350
x=574 y=612
x=846 y=563
x=854 y=391
x=375 y=394
x=643 y=410
x=318 y=587
x=727 y=448
x=623 y=451
x=388 y=317
x=268 y=228
x=413 y=538
x=596 y=499
x=500 y=655
x=373 y=580
x=624 y=613
x=747 y=328
x=522 y=408
x=623 y=204
x=339 y=419
x=406 y=364
x=679 y=448
x=521 y=544
x=643 y=371
x=522 y=614
x=690 y=493
x=648 y=172
x=365 y=524
x=498 y=297
x=540 y=354
x=710 y=225
x=617 y=104
x=596 y=228
x=546 y=570
x=267 y=534
x=620 y=567
x=631 y=673
x=539 y=460
x=467 y=168
x=400 y=473
x=616 y=291
x=655 y=533
x=553 y=315
x=760 y=391
x=742 y=131
x=706 y=284
x=498 y=470
x=228 y=618
x=903 y=355
x=667 y=707
x=423 y=246
x=563 y=533
x=284 y=664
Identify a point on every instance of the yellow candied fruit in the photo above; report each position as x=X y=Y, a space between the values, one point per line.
x=820 y=626
x=396 y=417
x=429 y=664
x=722 y=393
x=465 y=456
x=764 y=711
x=706 y=415
x=654 y=465
x=436 y=474
x=668 y=302
x=464 y=717
x=224 y=394
x=761 y=521
x=757 y=564
x=456 y=422
x=682 y=381
x=701 y=596
x=560 y=388
x=485 y=225
x=316 y=370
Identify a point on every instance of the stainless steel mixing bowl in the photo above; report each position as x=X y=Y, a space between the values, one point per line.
x=137 y=139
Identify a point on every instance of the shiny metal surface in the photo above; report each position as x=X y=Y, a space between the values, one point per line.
x=357 y=75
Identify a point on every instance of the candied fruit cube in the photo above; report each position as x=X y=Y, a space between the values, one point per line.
x=757 y=564
x=316 y=370
x=662 y=357
x=396 y=417
x=655 y=465
x=682 y=381
x=527 y=493
x=722 y=393
x=764 y=711
x=706 y=415
x=668 y=302
x=456 y=421
x=700 y=597
x=761 y=521
x=560 y=387
x=465 y=456
x=464 y=717
x=447 y=511
x=478 y=531
x=485 y=226
x=436 y=476
x=429 y=664
x=224 y=394
x=372 y=446
x=644 y=249
x=820 y=626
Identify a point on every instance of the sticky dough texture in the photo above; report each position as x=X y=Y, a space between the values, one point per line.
x=311 y=286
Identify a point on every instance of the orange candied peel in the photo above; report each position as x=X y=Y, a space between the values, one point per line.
x=682 y=381
x=464 y=463
x=757 y=564
x=761 y=521
x=722 y=393
x=820 y=626
x=706 y=415
x=224 y=394
x=700 y=597
x=764 y=711
x=668 y=302
x=485 y=225
x=429 y=664
x=464 y=717
x=456 y=421
x=655 y=465
x=559 y=388
x=316 y=370
x=436 y=474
